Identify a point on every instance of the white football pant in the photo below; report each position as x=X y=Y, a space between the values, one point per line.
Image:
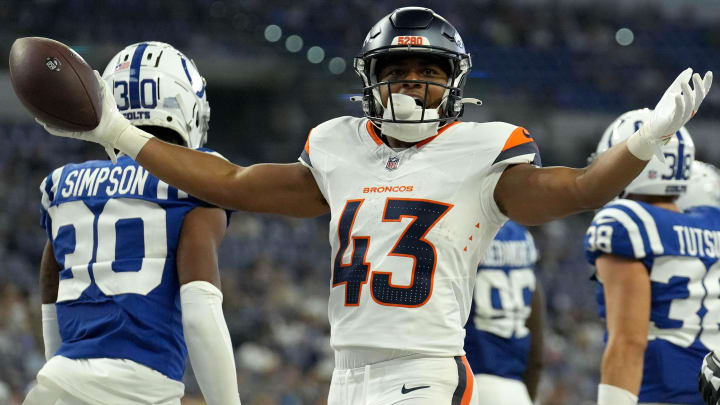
x=494 y=390
x=414 y=380
x=64 y=381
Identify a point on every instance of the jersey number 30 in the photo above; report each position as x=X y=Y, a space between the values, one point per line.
x=95 y=241
x=411 y=244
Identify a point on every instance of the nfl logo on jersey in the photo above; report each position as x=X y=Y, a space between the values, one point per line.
x=392 y=163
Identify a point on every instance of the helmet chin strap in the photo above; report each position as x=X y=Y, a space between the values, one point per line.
x=405 y=109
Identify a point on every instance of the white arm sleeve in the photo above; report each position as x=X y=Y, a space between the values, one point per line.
x=50 y=330
x=612 y=395
x=208 y=342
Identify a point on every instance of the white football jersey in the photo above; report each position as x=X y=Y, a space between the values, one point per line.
x=408 y=228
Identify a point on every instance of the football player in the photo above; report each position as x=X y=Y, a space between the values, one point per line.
x=129 y=275
x=504 y=331
x=703 y=188
x=658 y=276
x=415 y=197
x=703 y=193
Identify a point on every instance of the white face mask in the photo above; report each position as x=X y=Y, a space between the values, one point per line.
x=406 y=110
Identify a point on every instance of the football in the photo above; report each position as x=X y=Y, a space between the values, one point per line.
x=55 y=84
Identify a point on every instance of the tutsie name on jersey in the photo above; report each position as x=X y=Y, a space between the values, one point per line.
x=387 y=189
x=697 y=242
x=514 y=253
x=87 y=182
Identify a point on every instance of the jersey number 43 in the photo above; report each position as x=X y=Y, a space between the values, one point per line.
x=411 y=244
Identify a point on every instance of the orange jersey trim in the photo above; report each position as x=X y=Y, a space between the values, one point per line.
x=440 y=131
x=378 y=141
x=518 y=136
x=371 y=130
x=307 y=143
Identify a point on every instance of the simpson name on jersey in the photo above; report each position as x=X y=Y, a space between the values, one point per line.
x=680 y=252
x=497 y=340
x=117 y=250
x=407 y=255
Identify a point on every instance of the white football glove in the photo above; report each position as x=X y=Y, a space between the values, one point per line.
x=675 y=108
x=113 y=132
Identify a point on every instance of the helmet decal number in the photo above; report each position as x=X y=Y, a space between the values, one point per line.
x=410 y=40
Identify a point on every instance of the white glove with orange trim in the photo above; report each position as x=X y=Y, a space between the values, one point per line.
x=675 y=108
x=113 y=132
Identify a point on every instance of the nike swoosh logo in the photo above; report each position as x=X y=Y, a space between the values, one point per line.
x=419 y=387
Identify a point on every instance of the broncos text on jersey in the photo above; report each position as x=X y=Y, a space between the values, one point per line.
x=680 y=251
x=408 y=228
x=115 y=230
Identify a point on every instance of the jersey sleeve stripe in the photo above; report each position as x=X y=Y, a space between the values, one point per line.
x=305 y=154
x=648 y=222
x=517 y=137
x=45 y=190
x=49 y=188
x=305 y=159
x=162 y=190
x=534 y=250
x=528 y=149
x=632 y=229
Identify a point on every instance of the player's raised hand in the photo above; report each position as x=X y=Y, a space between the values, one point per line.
x=112 y=124
x=677 y=106
x=709 y=379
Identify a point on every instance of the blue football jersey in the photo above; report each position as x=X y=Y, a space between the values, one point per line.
x=680 y=251
x=115 y=231
x=497 y=341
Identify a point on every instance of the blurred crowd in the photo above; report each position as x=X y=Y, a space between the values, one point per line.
x=565 y=53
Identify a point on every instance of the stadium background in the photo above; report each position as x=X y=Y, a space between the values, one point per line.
x=275 y=68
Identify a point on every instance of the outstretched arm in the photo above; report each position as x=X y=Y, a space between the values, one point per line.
x=532 y=195
x=554 y=192
x=287 y=189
